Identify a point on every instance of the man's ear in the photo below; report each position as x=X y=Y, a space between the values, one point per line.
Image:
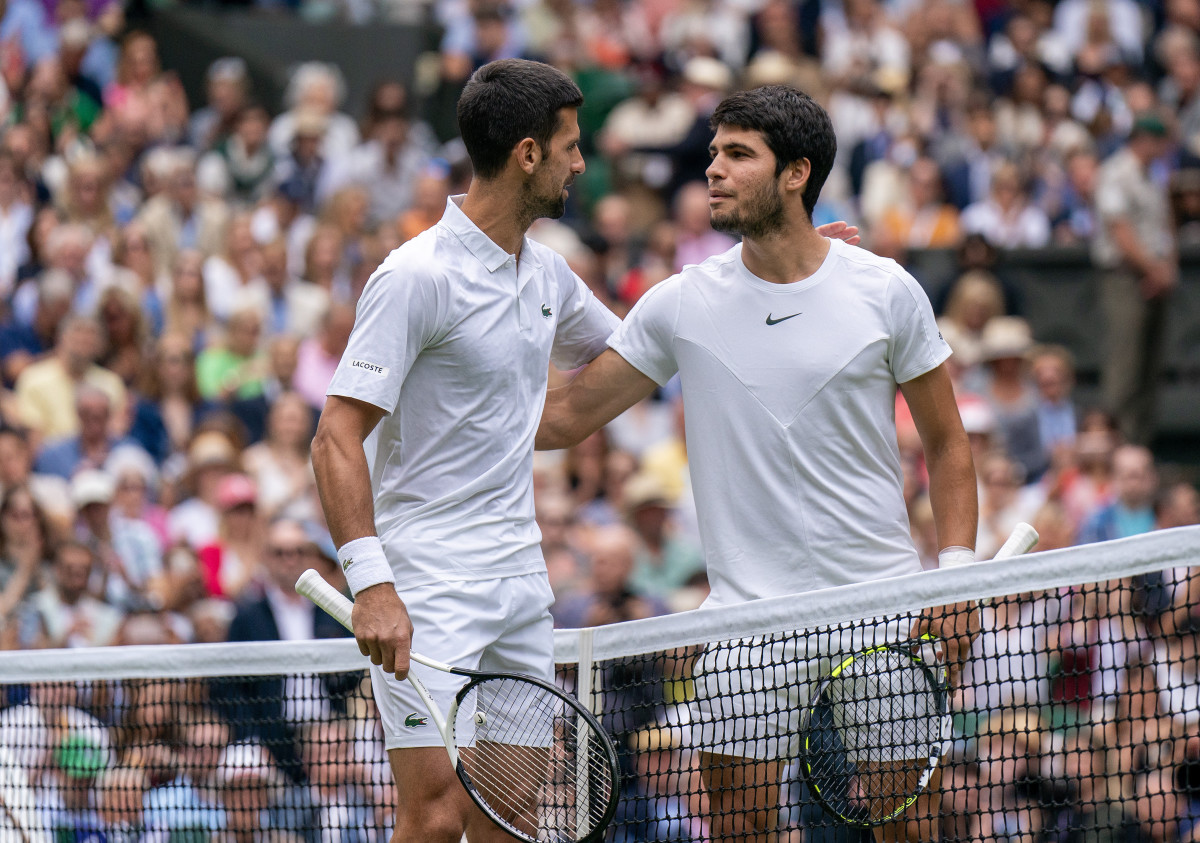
x=528 y=155
x=795 y=175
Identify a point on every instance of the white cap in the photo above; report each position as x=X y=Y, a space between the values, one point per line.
x=92 y=486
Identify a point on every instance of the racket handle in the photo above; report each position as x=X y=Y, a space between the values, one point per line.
x=313 y=586
x=1022 y=540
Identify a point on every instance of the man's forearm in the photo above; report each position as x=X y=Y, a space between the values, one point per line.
x=953 y=495
x=344 y=484
x=555 y=430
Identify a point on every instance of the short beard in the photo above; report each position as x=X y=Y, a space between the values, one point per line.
x=761 y=214
x=534 y=207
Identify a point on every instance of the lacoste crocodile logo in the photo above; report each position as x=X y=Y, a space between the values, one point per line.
x=413 y=720
x=546 y=311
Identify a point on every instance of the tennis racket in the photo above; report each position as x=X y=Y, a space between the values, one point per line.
x=533 y=759
x=878 y=724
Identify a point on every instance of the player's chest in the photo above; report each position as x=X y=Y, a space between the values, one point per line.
x=502 y=327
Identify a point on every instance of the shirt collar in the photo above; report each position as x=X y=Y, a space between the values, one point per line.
x=479 y=244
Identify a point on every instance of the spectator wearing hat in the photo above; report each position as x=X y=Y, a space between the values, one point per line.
x=210 y=456
x=1012 y=395
x=663 y=562
x=46 y=390
x=231 y=561
x=128 y=552
x=90 y=448
x=301 y=167
x=1134 y=246
x=64 y=614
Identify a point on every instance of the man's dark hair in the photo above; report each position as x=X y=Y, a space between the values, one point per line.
x=505 y=102
x=793 y=125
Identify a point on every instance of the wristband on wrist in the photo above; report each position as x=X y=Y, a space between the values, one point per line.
x=955 y=556
x=365 y=564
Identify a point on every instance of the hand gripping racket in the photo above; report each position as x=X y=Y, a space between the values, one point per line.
x=878 y=723
x=533 y=759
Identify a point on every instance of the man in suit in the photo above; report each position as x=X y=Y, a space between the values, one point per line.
x=270 y=708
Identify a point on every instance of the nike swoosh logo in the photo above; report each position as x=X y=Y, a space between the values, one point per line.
x=771 y=321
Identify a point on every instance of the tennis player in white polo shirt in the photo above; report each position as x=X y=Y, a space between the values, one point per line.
x=790 y=348
x=442 y=381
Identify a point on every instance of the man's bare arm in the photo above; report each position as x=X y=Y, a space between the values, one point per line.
x=381 y=624
x=953 y=495
x=602 y=391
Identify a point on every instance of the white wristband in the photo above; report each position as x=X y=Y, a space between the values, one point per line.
x=955 y=556
x=365 y=564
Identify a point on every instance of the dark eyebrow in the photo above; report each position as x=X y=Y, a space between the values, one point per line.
x=731 y=147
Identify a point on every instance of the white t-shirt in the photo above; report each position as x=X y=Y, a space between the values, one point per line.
x=452 y=339
x=789 y=392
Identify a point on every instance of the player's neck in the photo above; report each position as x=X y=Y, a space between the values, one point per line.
x=790 y=254
x=490 y=206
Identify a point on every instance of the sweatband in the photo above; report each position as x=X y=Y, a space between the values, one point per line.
x=365 y=564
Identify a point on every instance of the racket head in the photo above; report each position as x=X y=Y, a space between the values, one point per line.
x=873 y=733
x=534 y=760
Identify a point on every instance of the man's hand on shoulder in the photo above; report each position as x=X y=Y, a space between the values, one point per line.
x=840 y=230
x=382 y=628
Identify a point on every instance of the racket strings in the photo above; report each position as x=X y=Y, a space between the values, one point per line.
x=874 y=735
x=533 y=759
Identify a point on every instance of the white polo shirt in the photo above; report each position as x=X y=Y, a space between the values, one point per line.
x=452 y=340
x=789 y=392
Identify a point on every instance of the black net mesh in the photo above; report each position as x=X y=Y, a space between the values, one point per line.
x=1075 y=719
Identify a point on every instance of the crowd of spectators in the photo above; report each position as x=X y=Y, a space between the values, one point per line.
x=178 y=282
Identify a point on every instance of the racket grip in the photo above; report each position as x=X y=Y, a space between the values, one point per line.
x=1022 y=540
x=313 y=586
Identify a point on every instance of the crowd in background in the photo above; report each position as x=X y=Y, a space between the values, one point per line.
x=178 y=282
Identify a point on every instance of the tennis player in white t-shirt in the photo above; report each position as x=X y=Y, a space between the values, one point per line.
x=790 y=348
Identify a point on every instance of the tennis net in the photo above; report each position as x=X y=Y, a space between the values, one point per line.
x=1075 y=718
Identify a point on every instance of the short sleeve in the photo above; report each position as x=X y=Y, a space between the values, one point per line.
x=1112 y=199
x=396 y=317
x=917 y=345
x=584 y=323
x=646 y=339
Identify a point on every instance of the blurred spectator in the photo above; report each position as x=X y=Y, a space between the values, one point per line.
x=127 y=552
x=318 y=355
x=975 y=298
x=289 y=305
x=1135 y=247
x=243 y=159
x=16 y=469
x=248 y=783
x=185 y=807
x=16 y=217
x=187 y=311
x=90 y=447
x=210 y=456
x=126 y=330
x=431 y=190
x=388 y=164
x=1004 y=502
x=236 y=368
x=64 y=614
x=608 y=595
x=639 y=129
x=1134 y=483
x=924 y=220
x=46 y=390
x=663 y=562
x=281 y=464
x=299 y=169
x=179 y=218
x=282 y=361
x=338 y=783
x=229 y=563
x=137 y=490
x=26 y=545
x=1012 y=394
x=120 y=791
x=137 y=68
x=1006 y=218
x=226 y=88
x=317 y=88
x=231 y=275
x=1052 y=368
x=695 y=239
x=168 y=404
x=133 y=267
x=1085 y=485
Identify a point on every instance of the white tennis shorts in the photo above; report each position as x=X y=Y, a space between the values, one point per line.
x=750 y=694
x=491 y=625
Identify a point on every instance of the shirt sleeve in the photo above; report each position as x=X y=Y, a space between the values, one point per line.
x=584 y=323
x=917 y=345
x=1112 y=197
x=397 y=317
x=646 y=339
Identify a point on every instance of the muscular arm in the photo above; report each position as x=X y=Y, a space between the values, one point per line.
x=952 y=489
x=953 y=494
x=602 y=391
x=381 y=624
